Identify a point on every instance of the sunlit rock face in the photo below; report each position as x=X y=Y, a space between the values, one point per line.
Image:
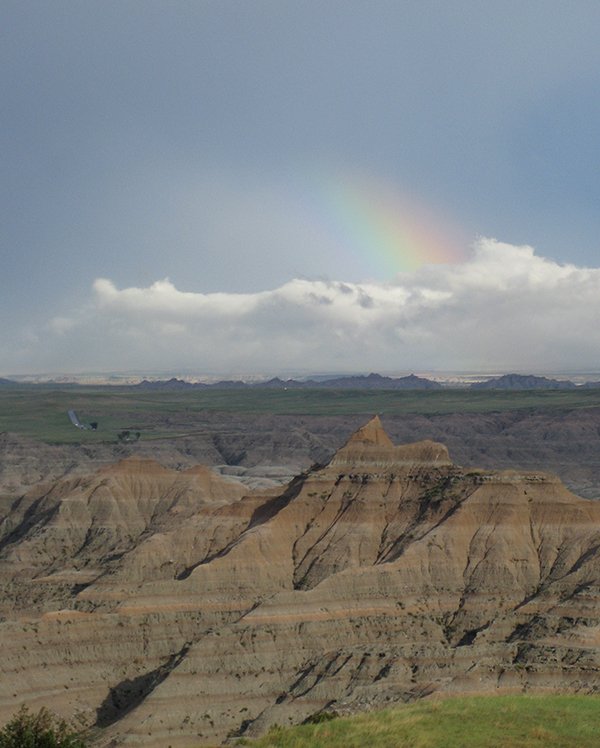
x=172 y=608
x=370 y=447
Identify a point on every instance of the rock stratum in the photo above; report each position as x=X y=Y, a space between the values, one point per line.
x=172 y=608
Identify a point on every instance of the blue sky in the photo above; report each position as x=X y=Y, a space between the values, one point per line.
x=197 y=141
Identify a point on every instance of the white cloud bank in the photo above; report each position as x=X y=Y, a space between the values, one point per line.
x=504 y=308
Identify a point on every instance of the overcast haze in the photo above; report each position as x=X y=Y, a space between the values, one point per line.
x=268 y=186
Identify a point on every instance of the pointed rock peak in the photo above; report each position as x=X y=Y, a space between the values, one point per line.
x=371 y=448
x=371 y=433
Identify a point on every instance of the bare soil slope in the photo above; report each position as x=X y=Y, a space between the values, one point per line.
x=195 y=612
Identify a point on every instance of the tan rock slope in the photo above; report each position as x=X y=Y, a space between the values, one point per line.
x=72 y=531
x=168 y=609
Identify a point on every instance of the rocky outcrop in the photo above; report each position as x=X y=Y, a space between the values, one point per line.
x=385 y=575
x=370 y=447
x=61 y=536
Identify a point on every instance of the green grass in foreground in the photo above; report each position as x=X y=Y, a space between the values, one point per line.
x=471 y=722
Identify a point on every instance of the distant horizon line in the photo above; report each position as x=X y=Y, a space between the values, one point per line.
x=133 y=376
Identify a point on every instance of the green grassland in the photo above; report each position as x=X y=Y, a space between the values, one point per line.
x=41 y=411
x=553 y=721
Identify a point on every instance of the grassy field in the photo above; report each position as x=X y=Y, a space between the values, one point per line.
x=41 y=411
x=473 y=722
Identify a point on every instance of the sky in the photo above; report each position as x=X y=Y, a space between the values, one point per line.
x=268 y=186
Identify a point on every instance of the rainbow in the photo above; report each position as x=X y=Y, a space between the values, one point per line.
x=388 y=231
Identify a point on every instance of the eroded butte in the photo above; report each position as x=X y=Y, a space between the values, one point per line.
x=173 y=609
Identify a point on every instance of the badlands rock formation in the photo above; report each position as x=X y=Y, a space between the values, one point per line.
x=166 y=608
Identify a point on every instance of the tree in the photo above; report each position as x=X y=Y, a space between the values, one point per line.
x=41 y=730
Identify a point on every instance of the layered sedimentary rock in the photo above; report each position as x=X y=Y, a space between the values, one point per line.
x=61 y=536
x=383 y=576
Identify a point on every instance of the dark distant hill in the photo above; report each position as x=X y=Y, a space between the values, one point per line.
x=279 y=384
x=229 y=384
x=7 y=382
x=361 y=382
x=523 y=382
x=378 y=382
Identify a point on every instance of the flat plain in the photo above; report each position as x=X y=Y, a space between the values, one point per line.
x=39 y=411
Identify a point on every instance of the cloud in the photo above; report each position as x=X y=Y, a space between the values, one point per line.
x=503 y=308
